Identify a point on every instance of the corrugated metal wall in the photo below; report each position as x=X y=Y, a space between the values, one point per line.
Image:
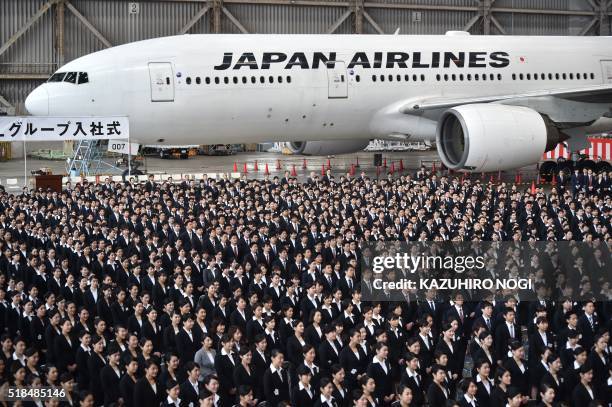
x=35 y=51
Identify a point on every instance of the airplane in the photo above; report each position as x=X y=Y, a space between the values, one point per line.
x=490 y=102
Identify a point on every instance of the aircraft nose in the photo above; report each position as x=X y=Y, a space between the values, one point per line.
x=37 y=102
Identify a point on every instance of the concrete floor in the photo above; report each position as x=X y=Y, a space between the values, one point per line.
x=340 y=164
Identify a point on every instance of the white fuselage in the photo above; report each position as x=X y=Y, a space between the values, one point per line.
x=346 y=101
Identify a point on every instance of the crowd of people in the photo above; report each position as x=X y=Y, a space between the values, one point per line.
x=242 y=292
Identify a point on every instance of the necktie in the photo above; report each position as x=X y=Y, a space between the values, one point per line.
x=511 y=331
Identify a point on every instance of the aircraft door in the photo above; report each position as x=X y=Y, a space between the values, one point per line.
x=337 y=81
x=162 y=82
x=606 y=67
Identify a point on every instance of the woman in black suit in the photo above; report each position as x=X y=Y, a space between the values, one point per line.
x=552 y=379
x=584 y=393
x=304 y=394
x=225 y=365
x=447 y=346
x=437 y=394
x=147 y=392
x=52 y=332
x=380 y=370
x=353 y=359
x=499 y=395
x=296 y=343
x=243 y=375
x=485 y=350
x=340 y=391
x=598 y=359
x=518 y=368
x=127 y=383
x=95 y=363
x=314 y=332
x=547 y=395
x=368 y=391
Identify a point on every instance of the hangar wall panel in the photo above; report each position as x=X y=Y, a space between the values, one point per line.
x=34 y=51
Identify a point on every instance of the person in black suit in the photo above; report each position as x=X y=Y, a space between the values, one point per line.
x=484 y=385
x=469 y=389
x=412 y=379
x=555 y=380
x=224 y=366
x=65 y=349
x=514 y=397
x=600 y=363
x=437 y=394
x=110 y=377
x=518 y=368
x=340 y=391
x=127 y=383
x=243 y=374
x=186 y=344
x=499 y=395
x=303 y=394
x=190 y=388
x=588 y=325
x=173 y=398
x=381 y=371
x=505 y=333
x=584 y=393
x=276 y=381
x=329 y=349
x=147 y=392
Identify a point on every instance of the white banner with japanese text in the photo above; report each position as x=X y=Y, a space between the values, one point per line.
x=30 y=128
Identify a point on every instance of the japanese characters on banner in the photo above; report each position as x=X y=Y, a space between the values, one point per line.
x=30 y=128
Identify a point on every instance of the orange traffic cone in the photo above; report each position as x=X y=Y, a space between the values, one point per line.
x=304 y=166
x=293 y=171
x=246 y=171
x=322 y=170
x=266 y=170
x=533 y=188
x=235 y=167
x=385 y=162
x=328 y=164
x=392 y=169
x=519 y=178
x=401 y=165
x=256 y=166
x=352 y=170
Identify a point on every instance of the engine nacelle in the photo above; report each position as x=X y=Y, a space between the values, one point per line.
x=493 y=137
x=327 y=147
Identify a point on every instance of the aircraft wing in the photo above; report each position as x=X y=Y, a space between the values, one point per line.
x=587 y=94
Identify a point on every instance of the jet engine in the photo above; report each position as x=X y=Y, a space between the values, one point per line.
x=493 y=137
x=327 y=147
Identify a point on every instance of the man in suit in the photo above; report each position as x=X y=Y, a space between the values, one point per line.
x=588 y=325
x=505 y=333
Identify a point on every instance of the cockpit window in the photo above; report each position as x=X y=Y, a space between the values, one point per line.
x=71 y=77
x=57 y=77
x=83 y=77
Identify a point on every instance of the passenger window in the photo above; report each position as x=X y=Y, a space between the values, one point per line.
x=592 y=76
x=188 y=80
x=198 y=80
x=262 y=79
x=399 y=78
x=235 y=79
x=446 y=77
x=499 y=77
x=407 y=78
x=83 y=78
x=244 y=79
x=476 y=76
x=564 y=76
x=422 y=78
x=557 y=76
x=207 y=80
x=271 y=79
x=454 y=77
x=217 y=80
x=289 y=79
x=571 y=76
x=71 y=77
x=167 y=80
x=57 y=77
x=390 y=78
x=491 y=76
x=280 y=79
x=382 y=78
x=460 y=77
x=357 y=78
x=373 y=78
x=253 y=79
x=535 y=76
x=578 y=76
x=513 y=76
x=438 y=77
x=469 y=77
